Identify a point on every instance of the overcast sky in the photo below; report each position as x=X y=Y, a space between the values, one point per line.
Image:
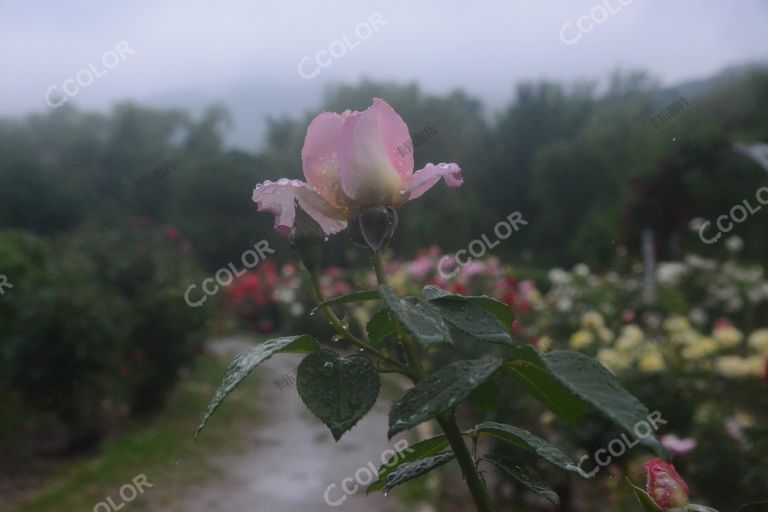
x=209 y=47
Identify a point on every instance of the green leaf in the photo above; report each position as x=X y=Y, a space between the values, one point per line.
x=524 y=439
x=418 y=451
x=474 y=320
x=419 y=318
x=486 y=396
x=416 y=469
x=525 y=477
x=242 y=365
x=338 y=390
x=495 y=307
x=645 y=501
x=439 y=393
x=351 y=297
x=380 y=326
x=533 y=375
x=597 y=385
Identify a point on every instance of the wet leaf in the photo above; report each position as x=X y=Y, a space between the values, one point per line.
x=532 y=374
x=439 y=393
x=242 y=365
x=416 y=469
x=525 y=477
x=597 y=385
x=351 y=297
x=497 y=308
x=380 y=326
x=418 y=451
x=474 y=321
x=524 y=439
x=338 y=390
x=419 y=318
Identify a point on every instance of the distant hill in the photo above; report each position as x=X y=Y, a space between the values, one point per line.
x=251 y=104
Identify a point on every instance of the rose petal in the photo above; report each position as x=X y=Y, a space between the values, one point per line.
x=321 y=159
x=279 y=198
x=427 y=177
x=371 y=168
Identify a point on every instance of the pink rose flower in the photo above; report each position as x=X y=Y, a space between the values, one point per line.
x=351 y=162
x=665 y=486
x=677 y=445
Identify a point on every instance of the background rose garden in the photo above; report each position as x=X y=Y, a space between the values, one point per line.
x=95 y=331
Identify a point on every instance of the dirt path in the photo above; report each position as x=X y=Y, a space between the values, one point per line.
x=294 y=458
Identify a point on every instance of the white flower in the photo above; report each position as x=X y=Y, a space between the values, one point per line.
x=734 y=244
x=558 y=276
x=670 y=272
x=581 y=269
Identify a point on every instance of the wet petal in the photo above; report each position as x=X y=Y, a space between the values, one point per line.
x=427 y=177
x=374 y=161
x=321 y=159
x=279 y=198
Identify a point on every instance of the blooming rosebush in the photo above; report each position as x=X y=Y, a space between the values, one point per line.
x=95 y=322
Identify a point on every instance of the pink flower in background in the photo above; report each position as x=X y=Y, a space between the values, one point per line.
x=172 y=233
x=677 y=445
x=722 y=323
x=665 y=486
x=351 y=162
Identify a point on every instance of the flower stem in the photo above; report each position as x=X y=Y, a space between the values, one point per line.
x=447 y=421
x=345 y=333
x=466 y=462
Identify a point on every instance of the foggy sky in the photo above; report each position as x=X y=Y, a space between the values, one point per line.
x=209 y=47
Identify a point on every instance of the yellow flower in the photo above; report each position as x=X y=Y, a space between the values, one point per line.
x=545 y=344
x=758 y=340
x=728 y=337
x=631 y=337
x=581 y=339
x=605 y=334
x=652 y=360
x=613 y=359
x=592 y=320
x=744 y=419
x=677 y=324
x=702 y=347
x=739 y=367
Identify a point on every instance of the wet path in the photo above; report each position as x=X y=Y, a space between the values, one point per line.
x=294 y=458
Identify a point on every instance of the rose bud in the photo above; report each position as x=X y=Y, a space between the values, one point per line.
x=665 y=486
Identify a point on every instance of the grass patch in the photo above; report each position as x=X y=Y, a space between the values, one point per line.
x=163 y=449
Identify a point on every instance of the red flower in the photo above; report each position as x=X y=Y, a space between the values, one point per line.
x=172 y=233
x=628 y=315
x=665 y=486
x=458 y=288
